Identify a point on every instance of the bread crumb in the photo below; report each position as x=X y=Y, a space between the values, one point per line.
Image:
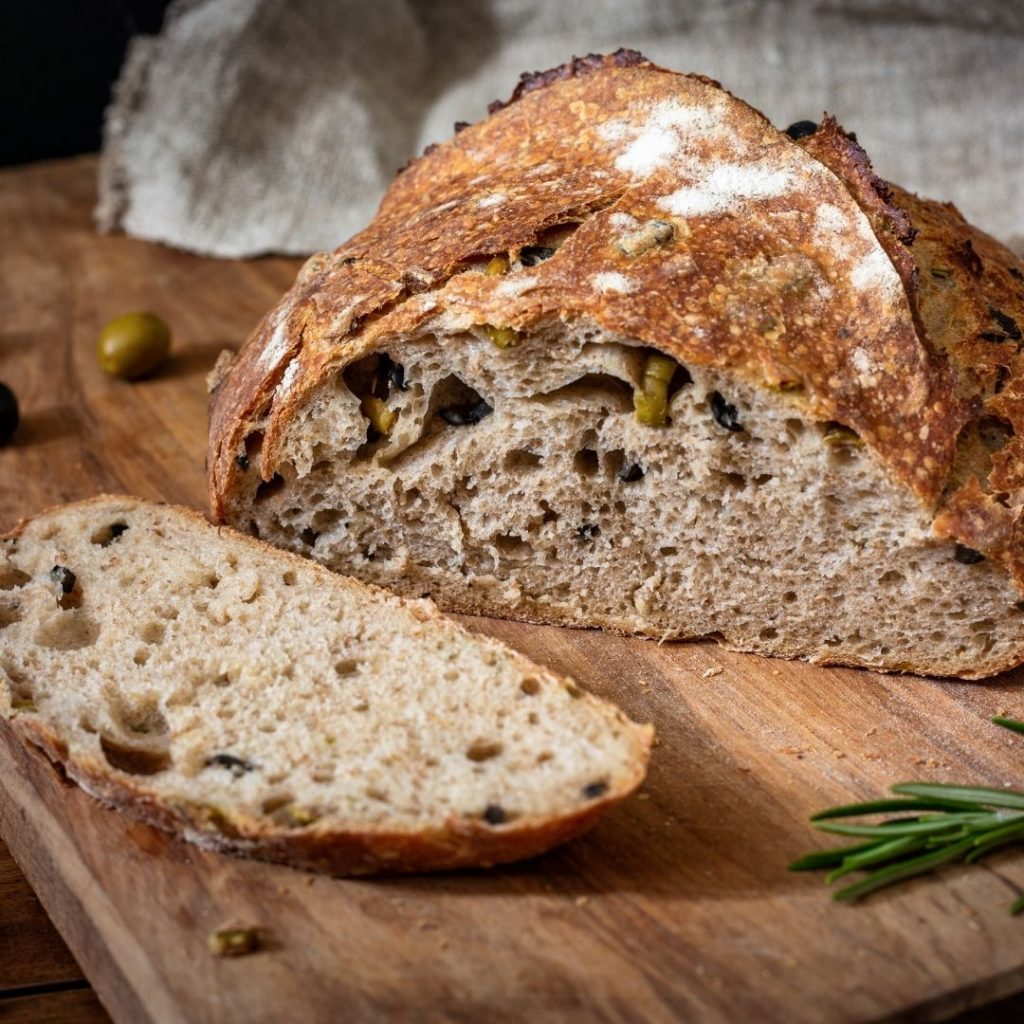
x=582 y=901
x=709 y=672
x=797 y=752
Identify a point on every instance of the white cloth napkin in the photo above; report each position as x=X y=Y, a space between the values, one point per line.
x=255 y=126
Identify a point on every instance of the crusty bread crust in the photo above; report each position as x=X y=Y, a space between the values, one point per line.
x=922 y=364
x=373 y=847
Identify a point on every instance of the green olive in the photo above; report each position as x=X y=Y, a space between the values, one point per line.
x=502 y=337
x=133 y=345
x=650 y=400
x=376 y=410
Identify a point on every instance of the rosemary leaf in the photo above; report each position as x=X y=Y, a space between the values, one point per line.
x=879 y=806
x=906 y=869
x=828 y=858
x=989 y=841
x=940 y=790
x=908 y=826
x=878 y=854
x=1009 y=723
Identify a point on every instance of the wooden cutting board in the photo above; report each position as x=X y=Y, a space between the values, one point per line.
x=677 y=906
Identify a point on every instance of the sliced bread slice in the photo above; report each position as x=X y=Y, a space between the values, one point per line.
x=254 y=702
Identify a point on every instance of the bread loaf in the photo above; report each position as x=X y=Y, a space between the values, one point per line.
x=625 y=355
x=255 y=703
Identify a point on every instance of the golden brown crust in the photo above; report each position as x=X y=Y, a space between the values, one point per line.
x=330 y=851
x=817 y=285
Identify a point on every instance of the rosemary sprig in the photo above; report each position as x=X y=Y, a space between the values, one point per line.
x=958 y=823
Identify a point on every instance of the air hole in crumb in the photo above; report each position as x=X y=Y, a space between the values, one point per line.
x=530 y=686
x=549 y=514
x=520 y=460
x=768 y=633
x=892 y=576
x=789 y=596
x=9 y=614
x=72 y=631
x=510 y=544
x=276 y=802
x=153 y=632
x=141 y=656
x=348 y=666
x=106 y=535
x=134 y=760
x=586 y=462
x=11 y=576
x=267 y=727
x=668 y=551
x=309 y=537
x=289 y=578
x=268 y=488
x=620 y=507
x=484 y=750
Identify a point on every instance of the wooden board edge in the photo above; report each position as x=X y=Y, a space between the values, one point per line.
x=77 y=905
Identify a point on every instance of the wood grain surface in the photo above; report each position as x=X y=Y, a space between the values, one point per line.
x=677 y=906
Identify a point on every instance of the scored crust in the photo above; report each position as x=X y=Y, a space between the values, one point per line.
x=912 y=339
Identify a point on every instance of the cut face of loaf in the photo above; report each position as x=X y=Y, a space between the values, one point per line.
x=520 y=483
x=625 y=355
x=253 y=702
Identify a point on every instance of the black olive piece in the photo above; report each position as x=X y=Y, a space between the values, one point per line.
x=595 y=789
x=494 y=814
x=466 y=415
x=65 y=577
x=967 y=556
x=588 y=531
x=236 y=765
x=531 y=255
x=631 y=473
x=461 y=126
x=389 y=375
x=8 y=414
x=1006 y=323
x=1014 y=272
x=724 y=413
x=801 y=129
x=242 y=461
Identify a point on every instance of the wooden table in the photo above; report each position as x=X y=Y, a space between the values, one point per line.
x=677 y=906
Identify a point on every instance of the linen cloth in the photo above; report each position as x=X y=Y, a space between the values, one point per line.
x=256 y=126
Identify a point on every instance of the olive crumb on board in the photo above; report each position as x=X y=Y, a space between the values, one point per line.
x=228 y=942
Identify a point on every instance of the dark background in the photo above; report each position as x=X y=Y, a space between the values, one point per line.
x=58 y=61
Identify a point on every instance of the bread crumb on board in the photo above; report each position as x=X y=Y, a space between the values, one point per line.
x=709 y=672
